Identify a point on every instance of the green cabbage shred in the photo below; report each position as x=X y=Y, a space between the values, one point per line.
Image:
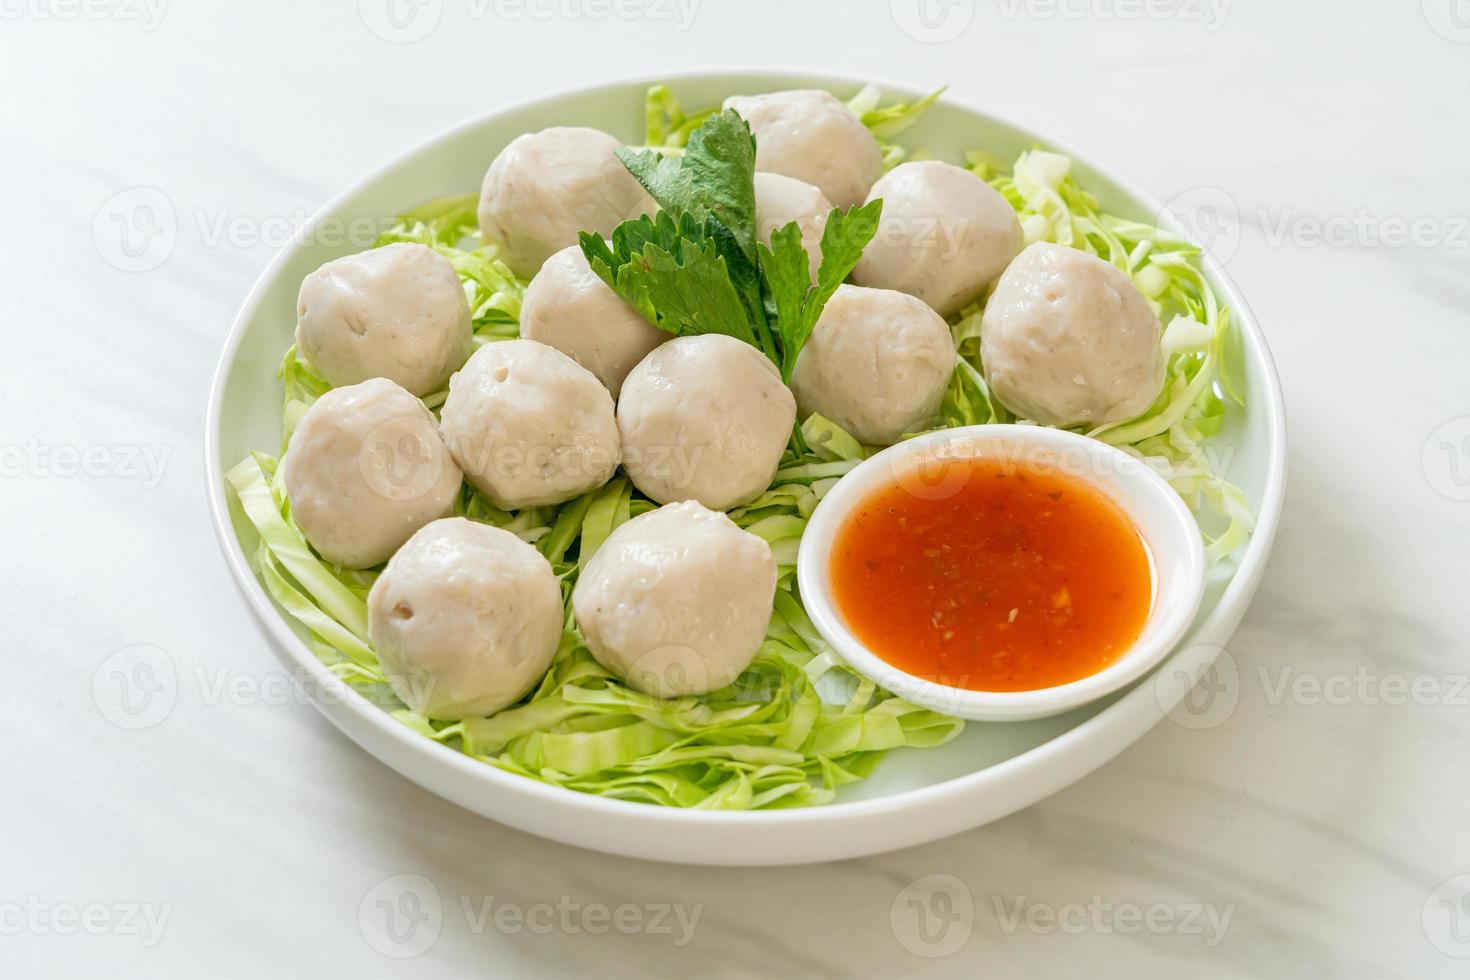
x=797 y=725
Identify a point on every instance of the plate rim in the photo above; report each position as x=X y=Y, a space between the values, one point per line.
x=1001 y=777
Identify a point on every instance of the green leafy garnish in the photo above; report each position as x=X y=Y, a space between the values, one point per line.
x=797 y=301
x=696 y=267
x=693 y=269
x=714 y=178
x=674 y=274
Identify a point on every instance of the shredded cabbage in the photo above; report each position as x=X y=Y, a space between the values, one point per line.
x=887 y=121
x=798 y=724
x=666 y=125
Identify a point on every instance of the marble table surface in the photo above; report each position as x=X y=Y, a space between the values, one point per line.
x=1320 y=832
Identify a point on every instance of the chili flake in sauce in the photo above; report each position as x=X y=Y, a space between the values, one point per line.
x=1024 y=577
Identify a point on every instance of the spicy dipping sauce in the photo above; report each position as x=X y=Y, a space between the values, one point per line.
x=1023 y=578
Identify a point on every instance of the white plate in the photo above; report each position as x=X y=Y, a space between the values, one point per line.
x=915 y=795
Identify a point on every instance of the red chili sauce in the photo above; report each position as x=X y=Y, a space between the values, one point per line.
x=992 y=575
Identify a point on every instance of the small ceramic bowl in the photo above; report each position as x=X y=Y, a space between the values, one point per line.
x=1169 y=532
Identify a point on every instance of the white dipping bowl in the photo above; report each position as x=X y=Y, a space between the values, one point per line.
x=1169 y=532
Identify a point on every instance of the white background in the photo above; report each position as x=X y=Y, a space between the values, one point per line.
x=1320 y=821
